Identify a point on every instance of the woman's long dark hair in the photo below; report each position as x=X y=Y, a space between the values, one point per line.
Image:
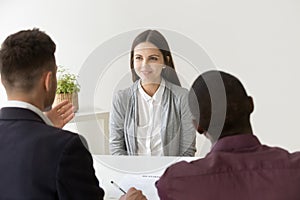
x=157 y=39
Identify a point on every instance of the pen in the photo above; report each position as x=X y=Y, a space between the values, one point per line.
x=117 y=186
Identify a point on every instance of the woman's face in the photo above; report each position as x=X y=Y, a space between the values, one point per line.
x=148 y=62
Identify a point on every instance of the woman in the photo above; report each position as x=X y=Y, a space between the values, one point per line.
x=152 y=117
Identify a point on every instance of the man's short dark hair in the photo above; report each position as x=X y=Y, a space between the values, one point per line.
x=24 y=56
x=229 y=92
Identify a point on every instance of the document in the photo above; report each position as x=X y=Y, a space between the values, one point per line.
x=144 y=182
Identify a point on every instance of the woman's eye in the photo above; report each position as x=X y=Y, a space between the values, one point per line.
x=153 y=58
x=138 y=58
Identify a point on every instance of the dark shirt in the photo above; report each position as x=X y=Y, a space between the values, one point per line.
x=238 y=167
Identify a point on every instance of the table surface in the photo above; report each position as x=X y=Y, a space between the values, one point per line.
x=85 y=114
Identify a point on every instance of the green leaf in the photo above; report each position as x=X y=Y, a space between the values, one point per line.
x=66 y=81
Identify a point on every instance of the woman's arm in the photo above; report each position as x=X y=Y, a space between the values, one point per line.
x=188 y=132
x=117 y=144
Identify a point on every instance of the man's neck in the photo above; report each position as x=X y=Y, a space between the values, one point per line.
x=31 y=99
x=246 y=129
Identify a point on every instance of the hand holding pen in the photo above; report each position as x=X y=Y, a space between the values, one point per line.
x=132 y=193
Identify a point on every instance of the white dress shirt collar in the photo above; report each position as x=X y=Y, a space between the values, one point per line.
x=22 y=104
x=157 y=95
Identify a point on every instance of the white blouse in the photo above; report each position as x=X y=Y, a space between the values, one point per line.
x=149 y=127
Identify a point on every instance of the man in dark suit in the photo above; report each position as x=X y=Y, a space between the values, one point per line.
x=37 y=160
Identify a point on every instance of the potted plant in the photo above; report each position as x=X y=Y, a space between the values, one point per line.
x=67 y=88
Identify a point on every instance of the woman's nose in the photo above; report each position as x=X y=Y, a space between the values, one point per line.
x=145 y=63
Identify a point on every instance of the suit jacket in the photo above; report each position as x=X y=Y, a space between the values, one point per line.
x=40 y=162
x=177 y=132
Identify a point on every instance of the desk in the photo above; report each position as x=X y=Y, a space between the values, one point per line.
x=119 y=168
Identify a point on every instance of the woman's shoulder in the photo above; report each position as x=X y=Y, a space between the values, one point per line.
x=176 y=90
x=127 y=92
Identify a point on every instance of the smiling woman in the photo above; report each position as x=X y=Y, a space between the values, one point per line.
x=152 y=116
x=148 y=64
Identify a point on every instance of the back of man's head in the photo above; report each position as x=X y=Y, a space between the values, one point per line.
x=220 y=104
x=24 y=56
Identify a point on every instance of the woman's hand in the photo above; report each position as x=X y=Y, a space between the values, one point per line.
x=61 y=114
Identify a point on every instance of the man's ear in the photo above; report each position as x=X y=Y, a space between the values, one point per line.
x=251 y=104
x=48 y=80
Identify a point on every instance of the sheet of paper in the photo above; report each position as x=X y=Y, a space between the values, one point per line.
x=145 y=182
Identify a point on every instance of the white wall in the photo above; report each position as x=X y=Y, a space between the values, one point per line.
x=256 y=40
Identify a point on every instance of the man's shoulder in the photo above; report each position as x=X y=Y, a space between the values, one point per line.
x=41 y=132
x=222 y=161
x=184 y=168
x=282 y=156
x=62 y=135
x=47 y=129
x=295 y=155
x=60 y=140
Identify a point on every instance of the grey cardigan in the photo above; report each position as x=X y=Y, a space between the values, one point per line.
x=177 y=132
